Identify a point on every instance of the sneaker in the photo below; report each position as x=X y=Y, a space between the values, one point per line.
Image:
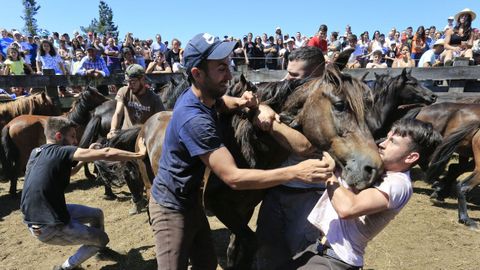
x=58 y=267
x=138 y=207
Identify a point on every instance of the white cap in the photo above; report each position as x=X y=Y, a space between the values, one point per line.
x=439 y=41
x=451 y=18
x=16 y=33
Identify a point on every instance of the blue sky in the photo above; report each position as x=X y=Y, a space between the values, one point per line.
x=184 y=19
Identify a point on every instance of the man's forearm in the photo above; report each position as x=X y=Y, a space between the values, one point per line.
x=291 y=139
x=114 y=154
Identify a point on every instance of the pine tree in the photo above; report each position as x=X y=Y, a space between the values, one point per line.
x=31 y=9
x=104 y=24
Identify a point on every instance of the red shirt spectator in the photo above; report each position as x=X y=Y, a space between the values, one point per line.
x=319 y=43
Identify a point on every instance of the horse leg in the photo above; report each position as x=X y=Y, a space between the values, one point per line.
x=442 y=188
x=468 y=184
x=233 y=210
x=88 y=174
x=463 y=188
x=13 y=186
x=109 y=195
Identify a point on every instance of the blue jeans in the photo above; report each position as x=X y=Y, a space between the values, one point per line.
x=92 y=238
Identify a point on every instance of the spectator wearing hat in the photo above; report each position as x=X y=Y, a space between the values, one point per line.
x=94 y=66
x=5 y=41
x=449 y=25
x=128 y=57
x=320 y=40
x=290 y=46
x=459 y=40
x=433 y=57
x=135 y=104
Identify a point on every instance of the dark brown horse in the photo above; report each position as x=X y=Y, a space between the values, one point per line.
x=39 y=104
x=390 y=99
x=21 y=135
x=459 y=124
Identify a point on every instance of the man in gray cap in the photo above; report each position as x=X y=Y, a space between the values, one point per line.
x=135 y=104
x=192 y=143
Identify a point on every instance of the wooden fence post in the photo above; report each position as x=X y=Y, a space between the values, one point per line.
x=457 y=86
x=52 y=90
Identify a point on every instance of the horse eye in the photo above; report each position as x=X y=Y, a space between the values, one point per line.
x=340 y=106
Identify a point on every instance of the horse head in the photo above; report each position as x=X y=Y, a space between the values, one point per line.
x=332 y=117
x=44 y=105
x=92 y=97
x=409 y=91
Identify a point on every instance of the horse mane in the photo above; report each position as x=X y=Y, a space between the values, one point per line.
x=287 y=98
x=81 y=107
x=353 y=89
x=172 y=93
x=21 y=105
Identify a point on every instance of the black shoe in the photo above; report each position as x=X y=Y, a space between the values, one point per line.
x=108 y=254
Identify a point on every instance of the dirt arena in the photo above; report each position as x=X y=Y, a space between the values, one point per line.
x=421 y=237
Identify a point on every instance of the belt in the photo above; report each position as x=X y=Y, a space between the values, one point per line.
x=323 y=248
x=299 y=190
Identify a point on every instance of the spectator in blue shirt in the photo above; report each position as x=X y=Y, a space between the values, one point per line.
x=94 y=66
x=5 y=41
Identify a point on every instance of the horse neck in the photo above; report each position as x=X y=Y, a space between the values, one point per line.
x=80 y=113
x=16 y=108
x=385 y=101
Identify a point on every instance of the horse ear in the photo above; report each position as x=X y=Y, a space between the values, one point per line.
x=365 y=76
x=377 y=77
x=44 y=96
x=409 y=72
x=404 y=73
x=243 y=79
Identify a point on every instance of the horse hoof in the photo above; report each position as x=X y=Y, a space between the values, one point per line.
x=472 y=225
x=109 y=197
x=437 y=199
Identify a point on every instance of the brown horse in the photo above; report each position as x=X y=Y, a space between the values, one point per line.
x=39 y=104
x=459 y=125
x=329 y=111
x=21 y=135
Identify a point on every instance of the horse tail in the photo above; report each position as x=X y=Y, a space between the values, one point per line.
x=445 y=150
x=8 y=154
x=91 y=132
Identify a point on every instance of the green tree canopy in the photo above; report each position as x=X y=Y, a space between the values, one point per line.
x=30 y=10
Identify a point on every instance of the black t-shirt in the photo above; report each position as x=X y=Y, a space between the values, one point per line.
x=46 y=178
x=172 y=57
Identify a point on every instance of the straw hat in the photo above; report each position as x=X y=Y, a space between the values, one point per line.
x=466 y=11
x=440 y=41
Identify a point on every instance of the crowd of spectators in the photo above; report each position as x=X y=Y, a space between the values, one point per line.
x=100 y=55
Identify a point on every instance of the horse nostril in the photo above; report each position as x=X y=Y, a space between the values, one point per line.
x=369 y=169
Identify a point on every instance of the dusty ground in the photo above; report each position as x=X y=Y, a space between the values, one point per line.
x=421 y=237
